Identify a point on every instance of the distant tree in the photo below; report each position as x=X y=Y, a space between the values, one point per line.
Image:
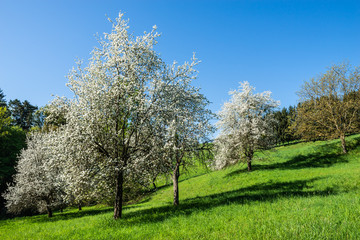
x=38 y=182
x=12 y=140
x=245 y=126
x=2 y=99
x=39 y=118
x=281 y=125
x=330 y=105
x=284 y=120
x=5 y=121
x=184 y=124
x=22 y=113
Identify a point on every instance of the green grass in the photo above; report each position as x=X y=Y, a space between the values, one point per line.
x=300 y=191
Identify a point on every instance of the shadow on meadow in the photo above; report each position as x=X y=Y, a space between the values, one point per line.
x=264 y=192
x=324 y=155
x=321 y=157
x=70 y=215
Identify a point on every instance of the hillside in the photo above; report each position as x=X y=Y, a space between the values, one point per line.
x=300 y=191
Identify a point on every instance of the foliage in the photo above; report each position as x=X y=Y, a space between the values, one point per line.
x=22 y=113
x=284 y=120
x=10 y=145
x=330 y=105
x=2 y=99
x=246 y=126
x=5 y=121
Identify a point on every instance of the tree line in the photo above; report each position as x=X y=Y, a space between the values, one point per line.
x=134 y=117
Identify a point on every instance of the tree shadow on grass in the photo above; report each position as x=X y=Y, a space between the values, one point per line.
x=325 y=156
x=58 y=216
x=264 y=192
x=71 y=215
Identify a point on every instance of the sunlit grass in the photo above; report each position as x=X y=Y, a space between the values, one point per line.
x=300 y=191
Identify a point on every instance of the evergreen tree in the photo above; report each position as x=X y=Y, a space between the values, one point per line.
x=2 y=99
x=22 y=113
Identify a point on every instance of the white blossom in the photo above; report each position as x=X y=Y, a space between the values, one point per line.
x=38 y=183
x=123 y=100
x=245 y=126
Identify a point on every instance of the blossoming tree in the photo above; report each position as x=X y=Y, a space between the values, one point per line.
x=119 y=106
x=245 y=126
x=38 y=183
x=185 y=123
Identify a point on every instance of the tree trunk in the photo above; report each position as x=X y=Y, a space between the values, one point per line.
x=49 y=211
x=343 y=143
x=119 y=195
x=153 y=182
x=249 y=164
x=249 y=156
x=176 y=175
x=79 y=205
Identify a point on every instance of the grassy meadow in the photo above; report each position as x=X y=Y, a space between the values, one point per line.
x=299 y=191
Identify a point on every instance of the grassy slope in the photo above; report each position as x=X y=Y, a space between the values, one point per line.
x=302 y=191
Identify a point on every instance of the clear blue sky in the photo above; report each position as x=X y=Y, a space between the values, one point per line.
x=275 y=45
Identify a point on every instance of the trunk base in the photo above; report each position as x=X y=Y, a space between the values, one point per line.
x=176 y=175
x=49 y=212
x=343 y=144
x=118 y=196
x=249 y=167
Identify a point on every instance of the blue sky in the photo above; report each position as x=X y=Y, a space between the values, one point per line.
x=274 y=45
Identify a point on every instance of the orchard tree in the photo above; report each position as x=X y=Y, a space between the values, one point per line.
x=185 y=124
x=38 y=182
x=118 y=99
x=330 y=105
x=245 y=126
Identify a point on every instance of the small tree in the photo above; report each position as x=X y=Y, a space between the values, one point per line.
x=184 y=123
x=330 y=105
x=245 y=126
x=38 y=183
